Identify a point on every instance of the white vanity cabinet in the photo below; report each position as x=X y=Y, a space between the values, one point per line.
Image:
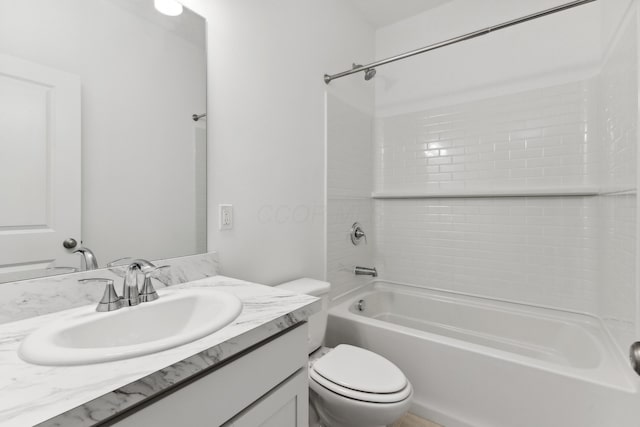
x=284 y=406
x=266 y=387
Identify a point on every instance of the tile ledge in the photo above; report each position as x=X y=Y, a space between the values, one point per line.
x=494 y=192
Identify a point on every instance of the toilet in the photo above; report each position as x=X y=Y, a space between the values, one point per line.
x=349 y=386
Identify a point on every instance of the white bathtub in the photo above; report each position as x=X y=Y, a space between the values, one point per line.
x=476 y=362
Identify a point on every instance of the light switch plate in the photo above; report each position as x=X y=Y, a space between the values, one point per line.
x=225 y=217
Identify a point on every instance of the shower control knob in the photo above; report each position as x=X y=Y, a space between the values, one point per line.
x=70 y=243
x=357 y=234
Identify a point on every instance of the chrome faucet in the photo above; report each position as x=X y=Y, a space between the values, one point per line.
x=366 y=271
x=130 y=289
x=131 y=292
x=88 y=260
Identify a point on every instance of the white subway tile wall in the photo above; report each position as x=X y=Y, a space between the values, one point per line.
x=618 y=103
x=532 y=250
x=538 y=138
x=349 y=185
x=618 y=278
x=619 y=134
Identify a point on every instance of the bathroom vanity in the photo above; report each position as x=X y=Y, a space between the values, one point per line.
x=265 y=387
x=251 y=372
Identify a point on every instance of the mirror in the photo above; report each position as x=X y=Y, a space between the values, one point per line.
x=98 y=142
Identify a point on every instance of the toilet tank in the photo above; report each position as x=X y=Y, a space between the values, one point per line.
x=318 y=321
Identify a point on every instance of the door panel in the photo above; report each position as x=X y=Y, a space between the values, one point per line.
x=39 y=127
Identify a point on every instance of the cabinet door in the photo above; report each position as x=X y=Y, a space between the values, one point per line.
x=284 y=406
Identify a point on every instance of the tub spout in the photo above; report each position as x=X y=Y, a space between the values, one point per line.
x=366 y=271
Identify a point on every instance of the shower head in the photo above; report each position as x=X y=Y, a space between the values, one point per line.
x=369 y=73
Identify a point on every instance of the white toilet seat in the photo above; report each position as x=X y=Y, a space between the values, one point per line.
x=359 y=374
x=360 y=395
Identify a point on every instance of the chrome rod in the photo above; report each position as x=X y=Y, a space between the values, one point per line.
x=365 y=68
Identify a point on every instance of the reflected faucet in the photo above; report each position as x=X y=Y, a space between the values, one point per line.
x=88 y=260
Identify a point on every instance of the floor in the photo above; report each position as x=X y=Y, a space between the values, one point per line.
x=411 y=420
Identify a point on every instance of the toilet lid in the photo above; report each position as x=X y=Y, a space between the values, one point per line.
x=320 y=384
x=360 y=370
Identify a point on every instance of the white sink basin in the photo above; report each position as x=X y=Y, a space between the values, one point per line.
x=176 y=318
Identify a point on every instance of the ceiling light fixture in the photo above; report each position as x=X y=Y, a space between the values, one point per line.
x=168 y=7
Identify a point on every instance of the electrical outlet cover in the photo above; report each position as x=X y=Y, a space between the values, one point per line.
x=225 y=217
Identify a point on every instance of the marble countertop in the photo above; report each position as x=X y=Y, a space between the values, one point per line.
x=85 y=395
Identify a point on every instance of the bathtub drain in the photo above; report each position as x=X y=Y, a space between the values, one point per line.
x=361 y=305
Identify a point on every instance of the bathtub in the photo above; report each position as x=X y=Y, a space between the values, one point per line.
x=476 y=362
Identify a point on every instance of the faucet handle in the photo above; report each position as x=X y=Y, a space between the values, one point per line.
x=125 y=261
x=110 y=300
x=151 y=269
x=148 y=292
x=147 y=270
x=120 y=262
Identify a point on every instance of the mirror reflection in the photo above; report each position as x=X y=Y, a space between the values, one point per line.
x=99 y=146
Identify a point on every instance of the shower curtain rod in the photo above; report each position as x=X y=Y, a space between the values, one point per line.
x=329 y=77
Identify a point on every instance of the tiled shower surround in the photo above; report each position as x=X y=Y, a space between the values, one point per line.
x=618 y=117
x=536 y=250
x=537 y=138
x=573 y=253
x=539 y=250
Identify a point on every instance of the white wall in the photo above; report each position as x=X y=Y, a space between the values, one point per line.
x=140 y=85
x=267 y=128
x=553 y=50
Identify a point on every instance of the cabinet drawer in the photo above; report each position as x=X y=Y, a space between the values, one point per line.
x=226 y=391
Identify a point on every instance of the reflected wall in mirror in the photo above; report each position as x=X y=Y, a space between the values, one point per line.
x=97 y=139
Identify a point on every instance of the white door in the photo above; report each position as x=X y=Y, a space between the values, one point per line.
x=39 y=163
